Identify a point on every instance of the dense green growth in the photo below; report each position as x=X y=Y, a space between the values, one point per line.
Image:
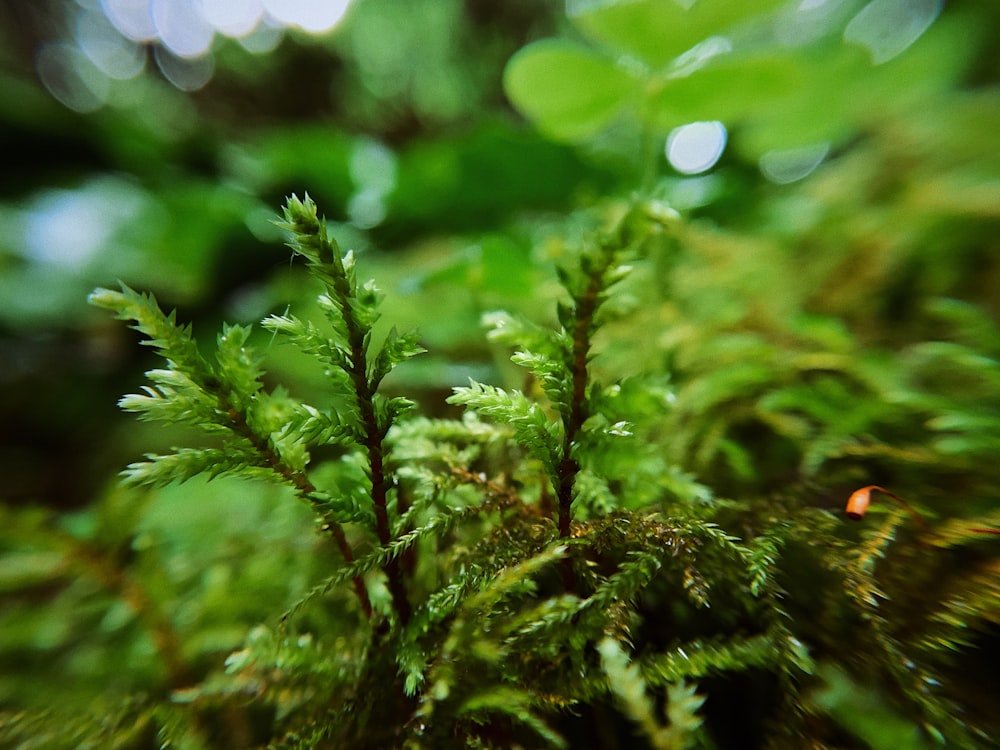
x=529 y=568
x=616 y=519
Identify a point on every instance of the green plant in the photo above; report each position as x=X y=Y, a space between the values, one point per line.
x=503 y=565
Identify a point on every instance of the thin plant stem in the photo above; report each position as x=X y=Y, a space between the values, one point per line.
x=306 y=489
x=372 y=440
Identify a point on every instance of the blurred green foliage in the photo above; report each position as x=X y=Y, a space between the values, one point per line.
x=822 y=314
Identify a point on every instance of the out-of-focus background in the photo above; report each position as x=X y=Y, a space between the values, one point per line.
x=154 y=142
x=830 y=315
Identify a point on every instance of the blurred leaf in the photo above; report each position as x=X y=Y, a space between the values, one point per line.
x=656 y=31
x=865 y=713
x=729 y=88
x=569 y=90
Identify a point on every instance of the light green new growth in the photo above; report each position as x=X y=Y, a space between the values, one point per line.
x=629 y=687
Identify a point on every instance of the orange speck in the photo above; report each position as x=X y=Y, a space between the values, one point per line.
x=857 y=503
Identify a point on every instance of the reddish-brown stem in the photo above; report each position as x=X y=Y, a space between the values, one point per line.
x=372 y=436
x=585 y=308
x=858 y=503
x=345 y=550
x=306 y=489
x=165 y=638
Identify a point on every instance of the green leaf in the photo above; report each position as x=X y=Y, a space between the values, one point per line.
x=626 y=583
x=398 y=347
x=885 y=28
x=174 y=341
x=825 y=104
x=364 y=305
x=569 y=91
x=656 y=31
x=702 y=658
x=387 y=410
x=514 y=703
x=551 y=375
x=730 y=88
x=532 y=429
x=333 y=352
x=239 y=366
x=185 y=463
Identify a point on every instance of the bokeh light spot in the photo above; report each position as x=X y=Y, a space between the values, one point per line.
x=71 y=77
x=132 y=18
x=182 y=28
x=187 y=74
x=69 y=227
x=263 y=39
x=308 y=15
x=810 y=20
x=234 y=18
x=700 y=55
x=789 y=165
x=887 y=27
x=373 y=169
x=116 y=56
x=696 y=147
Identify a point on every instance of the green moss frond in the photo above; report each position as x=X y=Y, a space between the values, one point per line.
x=505 y=565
